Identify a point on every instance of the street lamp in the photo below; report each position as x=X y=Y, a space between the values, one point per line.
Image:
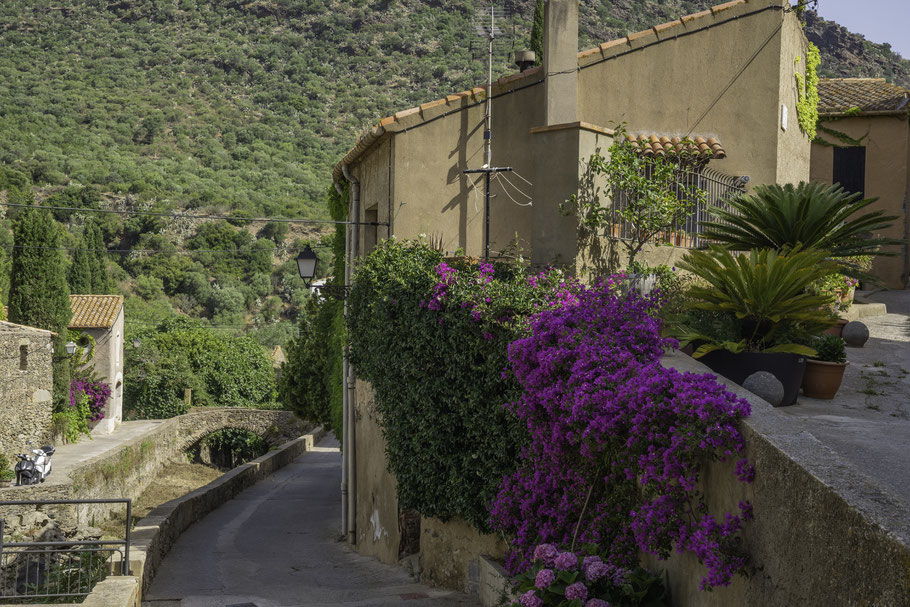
x=306 y=265
x=136 y=343
x=70 y=348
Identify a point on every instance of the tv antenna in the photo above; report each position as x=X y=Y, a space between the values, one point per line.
x=486 y=28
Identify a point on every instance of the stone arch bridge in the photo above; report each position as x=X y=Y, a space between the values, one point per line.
x=274 y=426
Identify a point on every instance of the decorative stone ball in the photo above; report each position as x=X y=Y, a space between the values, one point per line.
x=765 y=385
x=855 y=334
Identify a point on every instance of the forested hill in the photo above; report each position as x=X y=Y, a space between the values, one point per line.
x=241 y=107
x=246 y=104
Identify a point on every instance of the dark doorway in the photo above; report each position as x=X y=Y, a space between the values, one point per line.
x=850 y=169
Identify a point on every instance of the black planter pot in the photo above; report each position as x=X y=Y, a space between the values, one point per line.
x=787 y=368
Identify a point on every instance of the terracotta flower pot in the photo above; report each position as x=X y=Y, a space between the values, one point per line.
x=838 y=329
x=822 y=379
x=847 y=297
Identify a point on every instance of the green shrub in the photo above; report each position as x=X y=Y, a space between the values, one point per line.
x=830 y=348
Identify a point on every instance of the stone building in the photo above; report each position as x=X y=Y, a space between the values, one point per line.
x=863 y=143
x=26 y=382
x=101 y=316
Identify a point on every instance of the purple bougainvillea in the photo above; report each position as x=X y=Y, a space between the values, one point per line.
x=616 y=441
x=98 y=393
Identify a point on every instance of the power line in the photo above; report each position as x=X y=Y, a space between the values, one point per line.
x=185 y=216
x=165 y=251
x=206 y=326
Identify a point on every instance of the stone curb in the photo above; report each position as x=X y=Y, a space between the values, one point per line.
x=154 y=535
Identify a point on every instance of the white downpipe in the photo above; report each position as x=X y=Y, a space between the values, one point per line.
x=351 y=448
x=344 y=392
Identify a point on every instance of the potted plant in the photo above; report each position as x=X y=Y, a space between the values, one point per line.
x=825 y=371
x=6 y=472
x=760 y=309
x=807 y=215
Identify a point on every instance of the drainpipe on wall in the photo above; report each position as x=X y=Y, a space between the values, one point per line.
x=344 y=392
x=350 y=445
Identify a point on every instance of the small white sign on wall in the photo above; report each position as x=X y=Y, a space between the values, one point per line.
x=783 y=116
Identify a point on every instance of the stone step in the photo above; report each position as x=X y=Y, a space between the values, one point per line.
x=864 y=310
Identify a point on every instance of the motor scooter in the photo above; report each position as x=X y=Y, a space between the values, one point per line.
x=35 y=468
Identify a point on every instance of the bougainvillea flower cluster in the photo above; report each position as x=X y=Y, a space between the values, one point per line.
x=616 y=440
x=98 y=394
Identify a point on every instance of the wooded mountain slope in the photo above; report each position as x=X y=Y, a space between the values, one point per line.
x=245 y=104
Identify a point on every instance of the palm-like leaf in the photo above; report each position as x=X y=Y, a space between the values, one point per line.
x=810 y=215
x=765 y=289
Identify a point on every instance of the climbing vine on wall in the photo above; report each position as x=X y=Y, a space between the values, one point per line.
x=807 y=92
x=844 y=139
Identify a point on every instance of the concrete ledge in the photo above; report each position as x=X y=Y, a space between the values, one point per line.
x=489 y=582
x=823 y=534
x=156 y=533
x=864 y=310
x=122 y=591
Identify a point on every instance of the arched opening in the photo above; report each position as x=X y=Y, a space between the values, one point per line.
x=227 y=448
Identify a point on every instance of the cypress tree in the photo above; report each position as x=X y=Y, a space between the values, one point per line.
x=80 y=273
x=88 y=273
x=38 y=293
x=537 y=32
x=101 y=279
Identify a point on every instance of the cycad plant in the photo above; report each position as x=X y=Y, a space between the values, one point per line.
x=809 y=215
x=766 y=293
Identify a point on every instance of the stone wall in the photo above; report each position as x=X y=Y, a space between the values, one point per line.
x=26 y=382
x=125 y=472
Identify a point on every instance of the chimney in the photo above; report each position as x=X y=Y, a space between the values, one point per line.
x=560 y=61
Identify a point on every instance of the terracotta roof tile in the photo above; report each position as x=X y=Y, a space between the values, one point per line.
x=726 y=5
x=95 y=311
x=694 y=148
x=838 y=95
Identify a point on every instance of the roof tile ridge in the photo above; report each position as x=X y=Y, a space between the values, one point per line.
x=659 y=32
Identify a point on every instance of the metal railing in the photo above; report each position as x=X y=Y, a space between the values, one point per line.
x=64 y=569
x=718 y=188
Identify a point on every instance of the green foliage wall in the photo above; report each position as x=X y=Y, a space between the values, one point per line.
x=221 y=370
x=434 y=349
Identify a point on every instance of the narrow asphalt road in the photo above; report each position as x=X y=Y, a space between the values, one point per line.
x=275 y=545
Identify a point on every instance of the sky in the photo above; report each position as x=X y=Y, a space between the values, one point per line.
x=877 y=20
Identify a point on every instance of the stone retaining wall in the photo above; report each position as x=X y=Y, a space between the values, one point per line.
x=125 y=472
x=823 y=534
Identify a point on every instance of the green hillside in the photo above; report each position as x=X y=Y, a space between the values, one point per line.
x=241 y=107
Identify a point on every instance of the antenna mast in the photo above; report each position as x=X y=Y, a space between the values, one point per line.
x=488 y=118
x=489 y=31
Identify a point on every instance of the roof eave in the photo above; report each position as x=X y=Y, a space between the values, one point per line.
x=861 y=114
